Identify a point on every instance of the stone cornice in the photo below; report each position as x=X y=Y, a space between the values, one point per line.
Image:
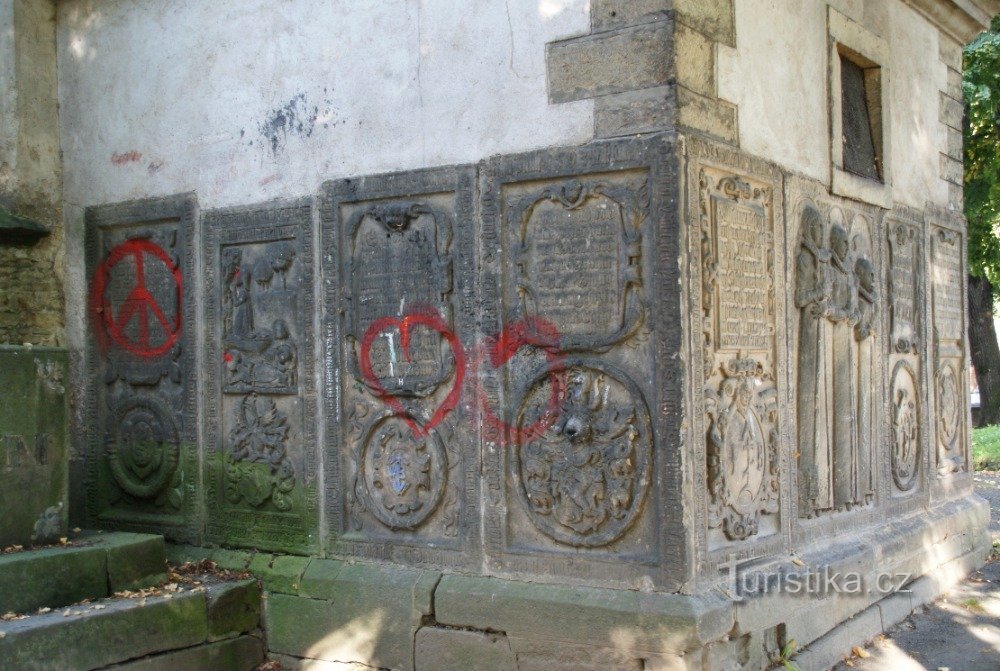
x=960 y=19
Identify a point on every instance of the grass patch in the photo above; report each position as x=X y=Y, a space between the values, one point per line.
x=986 y=448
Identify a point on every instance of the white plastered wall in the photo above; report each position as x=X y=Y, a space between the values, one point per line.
x=246 y=101
x=777 y=76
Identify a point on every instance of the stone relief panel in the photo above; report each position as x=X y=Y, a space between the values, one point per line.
x=141 y=412
x=839 y=309
x=577 y=255
x=947 y=285
x=735 y=202
x=566 y=383
x=261 y=458
x=905 y=305
x=401 y=460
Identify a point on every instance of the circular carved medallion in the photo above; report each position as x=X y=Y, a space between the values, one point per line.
x=583 y=480
x=402 y=476
x=144 y=449
x=905 y=428
x=949 y=406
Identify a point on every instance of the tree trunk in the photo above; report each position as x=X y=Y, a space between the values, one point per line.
x=984 y=349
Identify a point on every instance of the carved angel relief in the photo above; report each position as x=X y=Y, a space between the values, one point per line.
x=742 y=449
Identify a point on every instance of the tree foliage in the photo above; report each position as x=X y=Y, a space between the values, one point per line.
x=981 y=91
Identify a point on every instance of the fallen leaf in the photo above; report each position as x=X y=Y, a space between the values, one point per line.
x=797 y=561
x=860 y=652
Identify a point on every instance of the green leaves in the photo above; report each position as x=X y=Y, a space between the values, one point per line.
x=981 y=94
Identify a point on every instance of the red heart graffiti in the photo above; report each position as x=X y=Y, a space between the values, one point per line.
x=418 y=316
x=530 y=332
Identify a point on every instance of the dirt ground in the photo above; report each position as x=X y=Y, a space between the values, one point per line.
x=960 y=631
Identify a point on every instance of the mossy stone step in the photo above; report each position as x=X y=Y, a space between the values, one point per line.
x=96 y=565
x=204 y=628
x=122 y=630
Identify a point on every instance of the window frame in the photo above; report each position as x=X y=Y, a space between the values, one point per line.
x=856 y=43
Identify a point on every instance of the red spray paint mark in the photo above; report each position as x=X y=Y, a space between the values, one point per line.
x=416 y=317
x=126 y=157
x=138 y=305
x=497 y=351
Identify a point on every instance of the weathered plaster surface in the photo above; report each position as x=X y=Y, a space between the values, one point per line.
x=259 y=99
x=783 y=100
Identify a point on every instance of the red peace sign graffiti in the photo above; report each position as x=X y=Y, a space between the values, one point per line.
x=139 y=304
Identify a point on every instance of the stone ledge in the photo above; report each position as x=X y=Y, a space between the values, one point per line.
x=136 y=628
x=628 y=59
x=651 y=622
x=938 y=546
x=714 y=18
x=635 y=112
x=102 y=564
x=711 y=116
x=239 y=654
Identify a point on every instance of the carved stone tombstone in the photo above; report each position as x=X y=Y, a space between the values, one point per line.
x=906 y=347
x=570 y=393
x=34 y=458
x=401 y=463
x=141 y=412
x=947 y=285
x=261 y=457
x=735 y=206
x=839 y=309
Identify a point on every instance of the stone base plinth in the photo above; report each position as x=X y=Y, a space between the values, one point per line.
x=330 y=614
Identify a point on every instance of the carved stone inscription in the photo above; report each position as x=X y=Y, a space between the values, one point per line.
x=736 y=216
x=744 y=249
x=578 y=256
x=947 y=281
x=399 y=309
x=143 y=470
x=904 y=240
x=905 y=304
x=398 y=264
x=948 y=302
x=259 y=311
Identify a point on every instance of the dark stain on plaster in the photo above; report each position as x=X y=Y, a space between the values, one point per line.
x=297 y=117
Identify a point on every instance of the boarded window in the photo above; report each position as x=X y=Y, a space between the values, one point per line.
x=861 y=95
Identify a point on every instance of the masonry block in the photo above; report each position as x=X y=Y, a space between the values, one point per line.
x=233 y=608
x=623 y=60
x=440 y=649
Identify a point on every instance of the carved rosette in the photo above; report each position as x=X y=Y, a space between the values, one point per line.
x=905 y=427
x=143 y=446
x=742 y=438
x=949 y=417
x=402 y=476
x=258 y=468
x=583 y=454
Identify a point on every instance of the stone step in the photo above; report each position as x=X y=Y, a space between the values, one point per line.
x=93 y=566
x=196 y=628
